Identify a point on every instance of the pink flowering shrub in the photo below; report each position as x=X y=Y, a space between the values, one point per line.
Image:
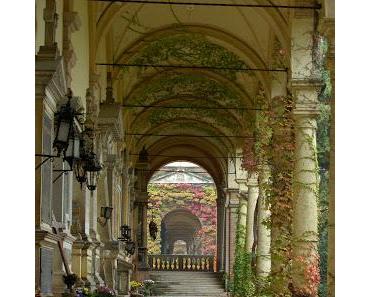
x=200 y=200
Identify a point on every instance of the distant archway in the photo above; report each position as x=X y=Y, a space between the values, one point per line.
x=183 y=204
x=180 y=225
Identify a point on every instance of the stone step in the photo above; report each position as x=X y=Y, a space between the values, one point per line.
x=199 y=288
x=187 y=283
x=189 y=292
x=221 y=295
x=169 y=285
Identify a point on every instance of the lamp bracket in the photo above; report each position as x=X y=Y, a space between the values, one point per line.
x=48 y=157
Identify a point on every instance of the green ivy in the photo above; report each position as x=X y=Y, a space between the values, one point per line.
x=190 y=49
x=243 y=277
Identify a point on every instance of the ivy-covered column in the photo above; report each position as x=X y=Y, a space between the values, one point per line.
x=263 y=231
x=231 y=208
x=305 y=84
x=242 y=218
x=328 y=29
x=252 y=183
x=305 y=269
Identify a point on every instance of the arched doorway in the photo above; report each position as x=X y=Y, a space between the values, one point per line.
x=181 y=225
x=182 y=203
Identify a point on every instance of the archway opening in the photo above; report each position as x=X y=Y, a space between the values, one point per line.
x=182 y=203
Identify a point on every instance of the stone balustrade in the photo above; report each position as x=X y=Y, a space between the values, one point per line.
x=182 y=262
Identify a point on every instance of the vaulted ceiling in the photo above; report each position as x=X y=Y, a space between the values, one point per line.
x=223 y=37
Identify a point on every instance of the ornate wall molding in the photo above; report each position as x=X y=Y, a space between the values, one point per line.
x=71 y=23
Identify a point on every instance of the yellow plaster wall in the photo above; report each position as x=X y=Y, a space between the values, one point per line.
x=40 y=24
x=80 y=42
x=101 y=70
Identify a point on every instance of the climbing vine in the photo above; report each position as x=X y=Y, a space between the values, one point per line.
x=243 y=278
x=274 y=146
x=200 y=200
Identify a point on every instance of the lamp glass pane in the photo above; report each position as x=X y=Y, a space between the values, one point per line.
x=128 y=232
x=69 y=151
x=76 y=148
x=63 y=132
x=108 y=213
x=91 y=178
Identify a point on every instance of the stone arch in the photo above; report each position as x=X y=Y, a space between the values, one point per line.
x=276 y=20
x=169 y=152
x=179 y=224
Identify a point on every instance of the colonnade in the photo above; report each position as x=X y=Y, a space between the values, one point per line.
x=90 y=242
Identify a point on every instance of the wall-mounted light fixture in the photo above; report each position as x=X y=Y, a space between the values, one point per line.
x=92 y=169
x=105 y=215
x=72 y=153
x=125 y=233
x=75 y=146
x=65 y=118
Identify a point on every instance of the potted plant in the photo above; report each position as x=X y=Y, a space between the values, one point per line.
x=84 y=292
x=104 y=291
x=134 y=289
x=148 y=287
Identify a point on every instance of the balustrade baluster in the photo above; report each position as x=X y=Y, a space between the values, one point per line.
x=167 y=263
x=181 y=262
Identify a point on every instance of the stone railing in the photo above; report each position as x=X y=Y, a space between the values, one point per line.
x=181 y=262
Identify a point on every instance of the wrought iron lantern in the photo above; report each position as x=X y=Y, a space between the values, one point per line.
x=153 y=229
x=80 y=172
x=125 y=233
x=92 y=169
x=64 y=126
x=72 y=154
x=130 y=247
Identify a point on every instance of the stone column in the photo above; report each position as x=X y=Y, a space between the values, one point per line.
x=142 y=233
x=252 y=183
x=232 y=204
x=59 y=286
x=220 y=230
x=264 y=232
x=243 y=218
x=110 y=266
x=96 y=252
x=83 y=246
x=58 y=207
x=141 y=200
x=86 y=265
x=305 y=186
x=94 y=216
x=124 y=197
x=305 y=84
x=328 y=29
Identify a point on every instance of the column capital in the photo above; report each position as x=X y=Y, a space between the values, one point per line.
x=305 y=93
x=242 y=183
x=252 y=180
x=308 y=85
